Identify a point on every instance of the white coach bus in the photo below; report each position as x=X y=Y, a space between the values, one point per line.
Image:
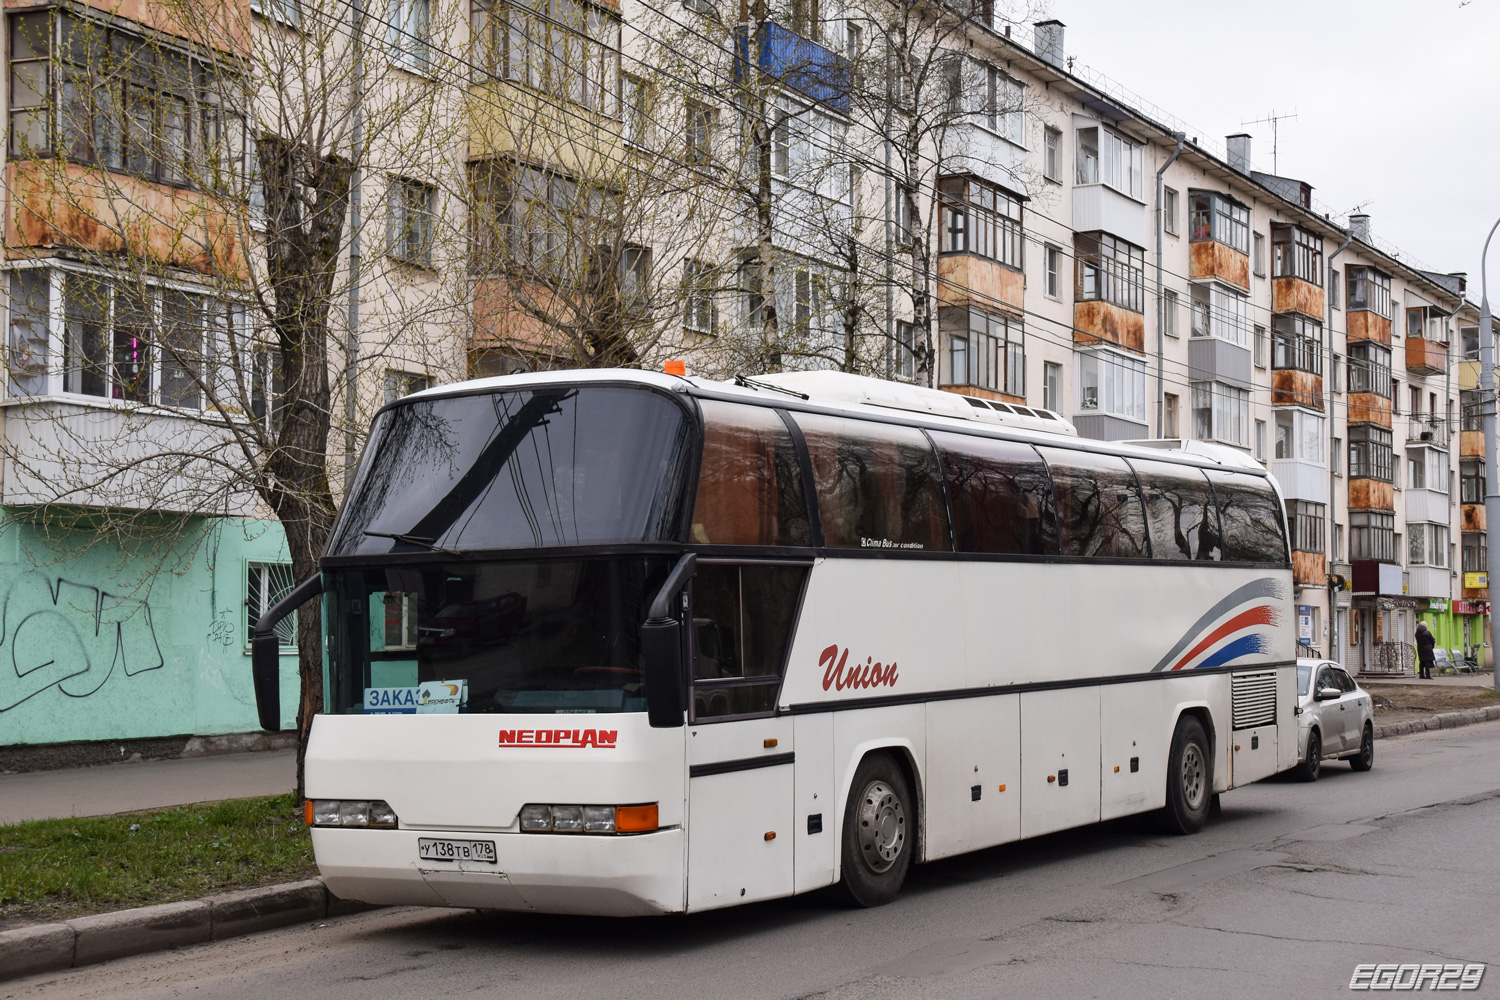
x=624 y=643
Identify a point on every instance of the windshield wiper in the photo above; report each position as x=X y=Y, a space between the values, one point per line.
x=427 y=543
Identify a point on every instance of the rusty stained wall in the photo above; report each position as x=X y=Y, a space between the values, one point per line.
x=1309 y=568
x=219 y=24
x=1367 y=325
x=1471 y=518
x=1294 y=388
x=1212 y=259
x=1471 y=444
x=964 y=280
x=1289 y=295
x=1371 y=494
x=500 y=323
x=1095 y=322
x=65 y=206
x=1426 y=357
x=978 y=393
x=1369 y=408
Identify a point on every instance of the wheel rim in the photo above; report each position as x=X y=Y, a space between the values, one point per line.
x=1314 y=751
x=1367 y=747
x=1194 y=787
x=882 y=826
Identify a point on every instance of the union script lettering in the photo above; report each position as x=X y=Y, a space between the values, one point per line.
x=838 y=675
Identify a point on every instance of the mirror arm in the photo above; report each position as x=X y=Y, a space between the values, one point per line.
x=265 y=652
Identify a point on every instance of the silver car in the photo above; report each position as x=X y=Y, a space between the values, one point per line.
x=1336 y=719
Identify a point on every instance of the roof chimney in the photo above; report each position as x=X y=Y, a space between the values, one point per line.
x=1238 y=146
x=1047 y=40
x=1359 y=227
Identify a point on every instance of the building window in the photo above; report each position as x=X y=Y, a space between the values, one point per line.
x=1299 y=434
x=1169 y=415
x=1336 y=373
x=398 y=384
x=1260 y=346
x=906 y=350
x=635 y=111
x=1052 y=285
x=1305 y=521
x=1370 y=455
x=985 y=350
x=698 y=312
x=1112 y=384
x=266 y=585
x=568 y=49
x=1299 y=343
x=1052 y=386
x=1221 y=413
x=1260 y=440
x=408 y=34
x=99 y=95
x=698 y=134
x=1169 y=312
x=1370 y=289
x=1468 y=338
x=1110 y=270
x=1334 y=452
x=1370 y=369
x=1427 y=545
x=979 y=219
x=1471 y=480
x=1338 y=542
x=1427 y=469
x=1259 y=257
x=288 y=12
x=1475 y=554
x=902 y=215
x=1296 y=253
x=1216 y=217
x=1052 y=155
x=1103 y=157
x=1221 y=313
x=30 y=336
x=1169 y=210
x=1333 y=289
x=1004 y=98
x=1372 y=535
x=412 y=211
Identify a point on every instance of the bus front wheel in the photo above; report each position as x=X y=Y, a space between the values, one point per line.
x=1190 y=779
x=877 y=836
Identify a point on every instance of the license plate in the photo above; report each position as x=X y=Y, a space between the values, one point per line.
x=431 y=849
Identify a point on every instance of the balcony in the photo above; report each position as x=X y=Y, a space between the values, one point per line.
x=1100 y=208
x=1309 y=569
x=1294 y=295
x=1426 y=357
x=968 y=148
x=1301 y=479
x=1095 y=322
x=1382 y=578
x=1433 y=431
x=964 y=280
x=1428 y=581
x=1290 y=387
x=799 y=63
x=1427 y=505
x=1212 y=259
x=1367 y=325
x=1371 y=494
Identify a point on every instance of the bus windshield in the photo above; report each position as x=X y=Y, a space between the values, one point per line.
x=550 y=636
x=549 y=466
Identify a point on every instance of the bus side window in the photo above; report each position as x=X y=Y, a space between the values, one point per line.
x=742 y=625
x=750 y=483
x=1180 y=511
x=1099 y=510
x=1000 y=495
x=878 y=485
x=1251 y=518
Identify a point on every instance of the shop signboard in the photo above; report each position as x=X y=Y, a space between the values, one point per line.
x=1304 y=623
x=1476 y=581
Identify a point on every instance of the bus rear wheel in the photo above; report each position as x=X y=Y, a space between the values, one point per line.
x=1190 y=779
x=877 y=836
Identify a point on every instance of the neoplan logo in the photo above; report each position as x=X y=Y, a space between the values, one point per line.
x=560 y=739
x=1411 y=976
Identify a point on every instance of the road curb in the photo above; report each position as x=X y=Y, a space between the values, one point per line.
x=1443 y=720
x=27 y=951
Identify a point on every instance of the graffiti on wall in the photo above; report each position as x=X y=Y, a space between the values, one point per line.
x=55 y=633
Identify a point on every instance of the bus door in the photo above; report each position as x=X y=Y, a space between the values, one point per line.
x=740 y=755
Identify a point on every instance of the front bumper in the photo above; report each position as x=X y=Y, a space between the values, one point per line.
x=635 y=875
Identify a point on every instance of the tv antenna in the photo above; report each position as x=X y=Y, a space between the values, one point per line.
x=1275 y=121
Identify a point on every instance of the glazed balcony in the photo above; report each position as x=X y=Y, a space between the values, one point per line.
x=800 y=63
x=1426 y=357
x=1290 y=387
x=1366 y=324
x=1371 y=494
x=1214 y=260
x=1309 y=569
x=1095 y=321
x=1295 y=295
x=967 y=280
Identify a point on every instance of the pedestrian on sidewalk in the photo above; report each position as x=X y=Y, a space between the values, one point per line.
x=1425 y=642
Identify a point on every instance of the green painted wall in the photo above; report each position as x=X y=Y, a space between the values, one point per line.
x=103 y=641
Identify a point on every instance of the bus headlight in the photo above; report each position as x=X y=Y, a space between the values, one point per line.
x=350 y=812
x=538 y=818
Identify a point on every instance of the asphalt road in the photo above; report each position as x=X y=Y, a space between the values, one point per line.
x=1281 y=896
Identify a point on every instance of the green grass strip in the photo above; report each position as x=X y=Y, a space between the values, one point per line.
x=59 y=868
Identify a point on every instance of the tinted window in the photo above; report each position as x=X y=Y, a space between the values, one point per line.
x=1180 y=511
x=1251 y=518
x=749 y=485
x=1345 y=681
x=1099 y=508
x=548 y=466
x=877 y=484
x=742 y=623
x=1000 y=495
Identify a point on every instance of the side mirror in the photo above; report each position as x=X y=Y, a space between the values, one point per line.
x=265 y=652
x=1329 y=694
x=662 y=650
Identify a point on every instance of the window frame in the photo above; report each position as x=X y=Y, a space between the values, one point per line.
x=1371 y=455
x=411 y=220
x=1296 y=253
x=1370 y=289
x=1306 y=523
x=1219 y=412
x=1052 y=155
x=1297 y=343
x=1369 y=366
x=1119 y=384
x=1109 y=269
x=1218 y=218
x=269 y=595
x=980 y=219
x=1117 y=162
x=1372 y=536
x=1220 y=312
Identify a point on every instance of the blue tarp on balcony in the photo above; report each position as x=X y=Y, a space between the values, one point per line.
x=800 y=63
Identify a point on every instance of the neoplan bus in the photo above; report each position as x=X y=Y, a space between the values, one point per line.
x=617 y=642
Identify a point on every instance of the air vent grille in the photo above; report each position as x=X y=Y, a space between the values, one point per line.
x=1253 y=697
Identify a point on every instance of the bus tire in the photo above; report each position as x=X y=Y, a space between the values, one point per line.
x=1190 y=779
x=877 y=835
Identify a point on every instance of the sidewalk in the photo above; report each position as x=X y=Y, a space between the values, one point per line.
x=1485 y=680
x=117 y=788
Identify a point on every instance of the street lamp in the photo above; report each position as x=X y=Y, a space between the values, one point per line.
x=1487 y=394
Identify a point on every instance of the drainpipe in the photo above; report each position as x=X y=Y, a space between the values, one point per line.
x=1332 y=426
x=356 y=138
x=1161 y=309
x=1487 y=395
